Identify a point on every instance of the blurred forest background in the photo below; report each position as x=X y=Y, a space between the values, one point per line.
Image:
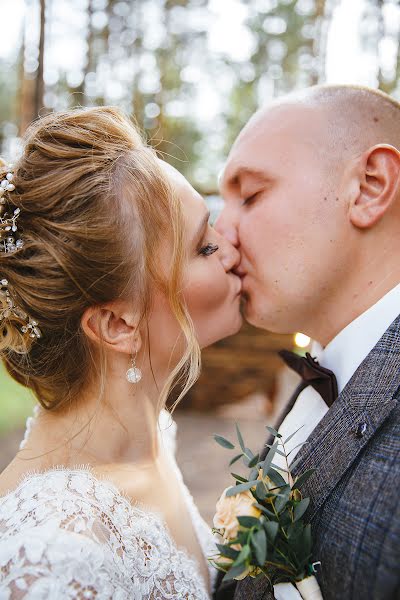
x=191 y=72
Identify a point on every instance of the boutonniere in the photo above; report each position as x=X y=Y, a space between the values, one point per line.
x=260 y=521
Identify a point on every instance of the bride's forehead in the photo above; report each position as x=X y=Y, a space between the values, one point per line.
x=185 y=189
x=172 y=174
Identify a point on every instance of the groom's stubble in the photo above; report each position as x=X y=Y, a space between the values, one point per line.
x=312 y=203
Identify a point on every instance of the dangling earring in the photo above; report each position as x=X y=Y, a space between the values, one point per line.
x=134 y=374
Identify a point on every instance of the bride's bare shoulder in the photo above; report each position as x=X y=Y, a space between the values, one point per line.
x=11 y=476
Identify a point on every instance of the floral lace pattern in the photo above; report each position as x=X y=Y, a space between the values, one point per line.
x=65 y=533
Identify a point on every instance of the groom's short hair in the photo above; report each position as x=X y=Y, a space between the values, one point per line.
x=357 y=117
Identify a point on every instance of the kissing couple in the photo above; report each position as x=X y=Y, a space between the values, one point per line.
x=112 y=281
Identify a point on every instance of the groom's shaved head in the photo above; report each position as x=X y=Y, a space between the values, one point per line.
x=312 y=201
x=350 y=118
x=355 y=117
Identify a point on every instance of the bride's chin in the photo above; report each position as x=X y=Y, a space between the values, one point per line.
x=234 y=328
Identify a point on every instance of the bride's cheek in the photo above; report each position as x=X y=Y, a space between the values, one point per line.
x=205 y=293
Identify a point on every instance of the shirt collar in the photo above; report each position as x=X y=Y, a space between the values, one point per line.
x=344 y=354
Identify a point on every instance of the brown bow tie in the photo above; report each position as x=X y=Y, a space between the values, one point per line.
x=321 y=379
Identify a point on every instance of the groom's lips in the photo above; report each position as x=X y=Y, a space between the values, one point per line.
x=240 y=272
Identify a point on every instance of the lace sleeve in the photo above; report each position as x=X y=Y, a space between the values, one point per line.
x=49 y=562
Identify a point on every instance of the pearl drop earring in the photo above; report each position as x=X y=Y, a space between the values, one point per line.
x=134 y=374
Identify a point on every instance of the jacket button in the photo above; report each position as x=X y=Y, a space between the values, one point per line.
x=361 y=429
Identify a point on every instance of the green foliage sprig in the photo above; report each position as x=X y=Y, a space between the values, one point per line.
x=276 y=543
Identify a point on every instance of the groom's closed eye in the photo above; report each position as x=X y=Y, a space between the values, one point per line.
x=250 y=199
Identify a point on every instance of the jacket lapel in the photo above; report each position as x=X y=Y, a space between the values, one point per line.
x=366 y=402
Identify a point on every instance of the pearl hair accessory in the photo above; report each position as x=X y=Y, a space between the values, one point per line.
x=12 y=308
x=8 y=222
x=10 y=245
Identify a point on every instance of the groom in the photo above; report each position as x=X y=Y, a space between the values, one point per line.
x=312 y=201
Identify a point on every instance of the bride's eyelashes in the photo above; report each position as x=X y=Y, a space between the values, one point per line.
x=208 y=249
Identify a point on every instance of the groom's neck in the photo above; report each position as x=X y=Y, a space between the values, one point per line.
x=343 y=308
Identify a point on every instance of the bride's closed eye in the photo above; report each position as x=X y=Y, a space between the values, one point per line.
x=208 y=249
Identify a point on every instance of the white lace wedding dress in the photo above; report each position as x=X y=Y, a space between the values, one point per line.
x=65 y=533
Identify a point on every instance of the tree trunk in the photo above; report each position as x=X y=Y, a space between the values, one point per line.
x=380 y=36
x=323 y=20
x=89 y=66
x=39 y=84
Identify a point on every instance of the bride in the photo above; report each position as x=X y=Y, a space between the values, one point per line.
x=111 y=282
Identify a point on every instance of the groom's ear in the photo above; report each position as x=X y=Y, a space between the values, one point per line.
x=375 y=185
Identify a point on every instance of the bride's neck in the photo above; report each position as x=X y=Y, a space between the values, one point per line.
x=120 y=429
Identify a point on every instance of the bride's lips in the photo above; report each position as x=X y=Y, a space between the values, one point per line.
x=239 y=286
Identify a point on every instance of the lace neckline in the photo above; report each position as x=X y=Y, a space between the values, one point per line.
x=131 y=506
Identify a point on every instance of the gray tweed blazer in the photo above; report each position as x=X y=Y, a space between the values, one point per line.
x=355 y=492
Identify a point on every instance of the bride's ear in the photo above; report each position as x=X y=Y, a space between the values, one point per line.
x=115 y=324
x=374 y=185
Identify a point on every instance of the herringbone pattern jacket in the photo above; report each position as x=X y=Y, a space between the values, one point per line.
x=355 y=492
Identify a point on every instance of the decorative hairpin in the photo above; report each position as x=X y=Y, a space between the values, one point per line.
x=12 y=308
x=7 y=246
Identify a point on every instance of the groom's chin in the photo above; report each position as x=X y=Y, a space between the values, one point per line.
x=253 y=314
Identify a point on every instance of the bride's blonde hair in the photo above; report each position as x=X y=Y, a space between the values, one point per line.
x=95 y=205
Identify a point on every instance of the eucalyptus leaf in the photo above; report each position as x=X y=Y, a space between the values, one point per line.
x=276 y=478
x=300 y=508
x=234 y=572
x=285 y=517
x=282 y=499
x=271 y=528
x=268 y=459
x=303 y=478
x=240 y=438
x=276 y=467
x=239 y=478
x=253 y=474
x=248 y=522
x=228 y=551
x=264 y=510
x=235 y=458
x=242 y=537
x=242 y=487
x=254 y=461
x=293 y=434
x=242 y=556
x=259 y=543
x=295 y=530
x=260 y=490
x=274 y=432
x=277 y=451
x=223 y=442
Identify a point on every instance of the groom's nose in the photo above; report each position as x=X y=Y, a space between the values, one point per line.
x=226 y=225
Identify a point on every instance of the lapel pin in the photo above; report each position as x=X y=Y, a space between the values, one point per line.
x=361 y=429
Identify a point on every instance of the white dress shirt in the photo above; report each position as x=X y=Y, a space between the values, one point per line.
x=343 y=355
